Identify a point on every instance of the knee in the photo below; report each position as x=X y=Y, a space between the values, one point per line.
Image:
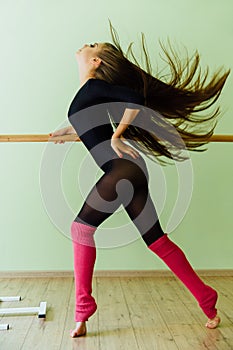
x=82 y=234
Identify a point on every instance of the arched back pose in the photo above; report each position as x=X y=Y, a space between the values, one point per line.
x=115 y=88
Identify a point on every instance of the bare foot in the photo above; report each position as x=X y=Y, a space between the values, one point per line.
x=213 y=323
x=79 y=330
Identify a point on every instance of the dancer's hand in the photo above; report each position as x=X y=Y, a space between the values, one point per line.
x=62 y=132
x=120 y=148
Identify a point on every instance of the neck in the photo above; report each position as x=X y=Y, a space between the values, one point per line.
x=85 y=77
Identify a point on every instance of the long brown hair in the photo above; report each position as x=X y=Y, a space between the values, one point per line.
x=179 y=100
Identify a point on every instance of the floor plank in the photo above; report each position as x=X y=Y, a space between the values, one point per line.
x=116 y=326
x=149 y=327
x=138 y=313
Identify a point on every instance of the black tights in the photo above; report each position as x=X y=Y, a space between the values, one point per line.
x=125 y=182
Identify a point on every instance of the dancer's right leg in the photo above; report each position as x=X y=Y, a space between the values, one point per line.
x=84 y=260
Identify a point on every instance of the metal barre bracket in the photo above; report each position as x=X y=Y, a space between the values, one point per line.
x=39 y=310
x=17 y=298
x=4 y=327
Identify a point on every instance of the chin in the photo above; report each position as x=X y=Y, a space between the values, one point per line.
x=77 y=54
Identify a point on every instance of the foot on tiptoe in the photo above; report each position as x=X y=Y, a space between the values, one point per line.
x=213 y=322
x=79 y=330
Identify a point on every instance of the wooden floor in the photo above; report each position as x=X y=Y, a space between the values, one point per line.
x=145 y=313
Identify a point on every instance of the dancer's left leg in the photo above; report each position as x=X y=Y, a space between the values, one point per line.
x=172 y=255
x=176 y=260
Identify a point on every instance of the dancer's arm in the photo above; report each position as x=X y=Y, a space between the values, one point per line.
x=69 y=130
x=119 y=146
x=128 y=117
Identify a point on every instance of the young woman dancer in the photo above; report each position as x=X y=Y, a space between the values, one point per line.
x=115 y=87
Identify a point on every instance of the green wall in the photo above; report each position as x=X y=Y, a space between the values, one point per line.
x=38 y=80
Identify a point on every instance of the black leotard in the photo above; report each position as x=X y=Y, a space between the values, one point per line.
x=89 y=114
x=125 y=180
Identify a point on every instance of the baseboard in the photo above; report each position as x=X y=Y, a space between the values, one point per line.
x=110 y=273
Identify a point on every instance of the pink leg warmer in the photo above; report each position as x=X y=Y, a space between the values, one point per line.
x=84 y=260
x=175 y=259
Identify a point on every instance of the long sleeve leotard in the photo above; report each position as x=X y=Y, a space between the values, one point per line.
x=89 y=113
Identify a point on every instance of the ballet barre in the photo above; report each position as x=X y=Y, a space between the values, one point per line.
x=75 y=138
x=38 y=138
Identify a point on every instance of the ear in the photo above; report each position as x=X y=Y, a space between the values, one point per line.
x=96 y=61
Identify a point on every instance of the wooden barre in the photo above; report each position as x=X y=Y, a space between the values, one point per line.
x=38 y=138
x=74 y=138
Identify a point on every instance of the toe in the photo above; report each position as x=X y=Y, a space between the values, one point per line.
x=77 y=332
x=213 y=323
